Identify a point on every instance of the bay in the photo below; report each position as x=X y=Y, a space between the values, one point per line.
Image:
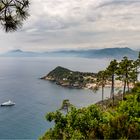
x=20 y=82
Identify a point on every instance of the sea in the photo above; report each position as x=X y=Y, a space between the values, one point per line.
x=20 y=82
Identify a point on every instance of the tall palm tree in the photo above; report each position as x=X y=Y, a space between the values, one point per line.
x=13 y=13
x=112 y=68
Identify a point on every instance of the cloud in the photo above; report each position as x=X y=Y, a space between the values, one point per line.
x=57 y=24
x=61 y=14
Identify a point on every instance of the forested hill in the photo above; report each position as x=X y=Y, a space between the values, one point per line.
x=69 y=78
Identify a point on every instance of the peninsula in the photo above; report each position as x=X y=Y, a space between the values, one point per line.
x=71 y=79
x=75 y=79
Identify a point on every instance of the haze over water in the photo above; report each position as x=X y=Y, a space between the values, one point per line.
x=19 y=82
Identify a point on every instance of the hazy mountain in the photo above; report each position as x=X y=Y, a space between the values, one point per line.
x=113 y=53
x=99 y=53
x=90 y=53
x=20 y=53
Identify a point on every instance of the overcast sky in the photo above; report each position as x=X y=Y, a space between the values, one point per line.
x=73 y=24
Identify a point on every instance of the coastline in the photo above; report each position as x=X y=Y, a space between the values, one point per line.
x=63 y=83
x=79 y=80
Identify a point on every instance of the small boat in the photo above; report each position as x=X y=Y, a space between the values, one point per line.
x=8 y=103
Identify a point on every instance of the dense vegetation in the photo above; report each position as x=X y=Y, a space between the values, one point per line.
x=66 y=77
x=119 y=119
x=126 y=71
x=94 y=122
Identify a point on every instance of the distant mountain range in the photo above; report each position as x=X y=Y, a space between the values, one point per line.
x=90 y=53
x=20 y=53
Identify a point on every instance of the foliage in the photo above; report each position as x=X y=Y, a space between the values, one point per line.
x=121 y=122
x=96 y=122
x=101 y=80
x=112 y=69
x=126 y=72
x=66 y=105
x=12 y=13
x=70 y=78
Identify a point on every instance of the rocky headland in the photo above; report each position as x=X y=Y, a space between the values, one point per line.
x=75 y=79
x=71 y=79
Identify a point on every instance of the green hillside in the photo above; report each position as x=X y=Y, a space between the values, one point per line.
x=115 y=118
x=69 y=78
x=99 y=122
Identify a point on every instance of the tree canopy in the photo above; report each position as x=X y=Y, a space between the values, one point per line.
x=93 y=122
x=103 y=121
x=13 y=13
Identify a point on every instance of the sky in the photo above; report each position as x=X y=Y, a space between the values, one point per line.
x=76 y=24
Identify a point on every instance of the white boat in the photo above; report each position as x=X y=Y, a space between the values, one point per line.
x=8 y=103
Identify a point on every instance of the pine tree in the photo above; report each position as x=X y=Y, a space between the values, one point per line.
x=101 y=81
x=112 y=68
x=13 y=13
x=126 y=73
x=137 y=66
x=66 y=105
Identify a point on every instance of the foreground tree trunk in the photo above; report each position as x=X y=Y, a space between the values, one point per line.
x=112 y=89
x=102 y=94
x=124 y=89
x=128 y=86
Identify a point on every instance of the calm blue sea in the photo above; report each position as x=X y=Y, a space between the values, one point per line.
x=19 y=82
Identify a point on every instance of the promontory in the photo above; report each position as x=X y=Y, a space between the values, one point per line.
x=72 y=79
